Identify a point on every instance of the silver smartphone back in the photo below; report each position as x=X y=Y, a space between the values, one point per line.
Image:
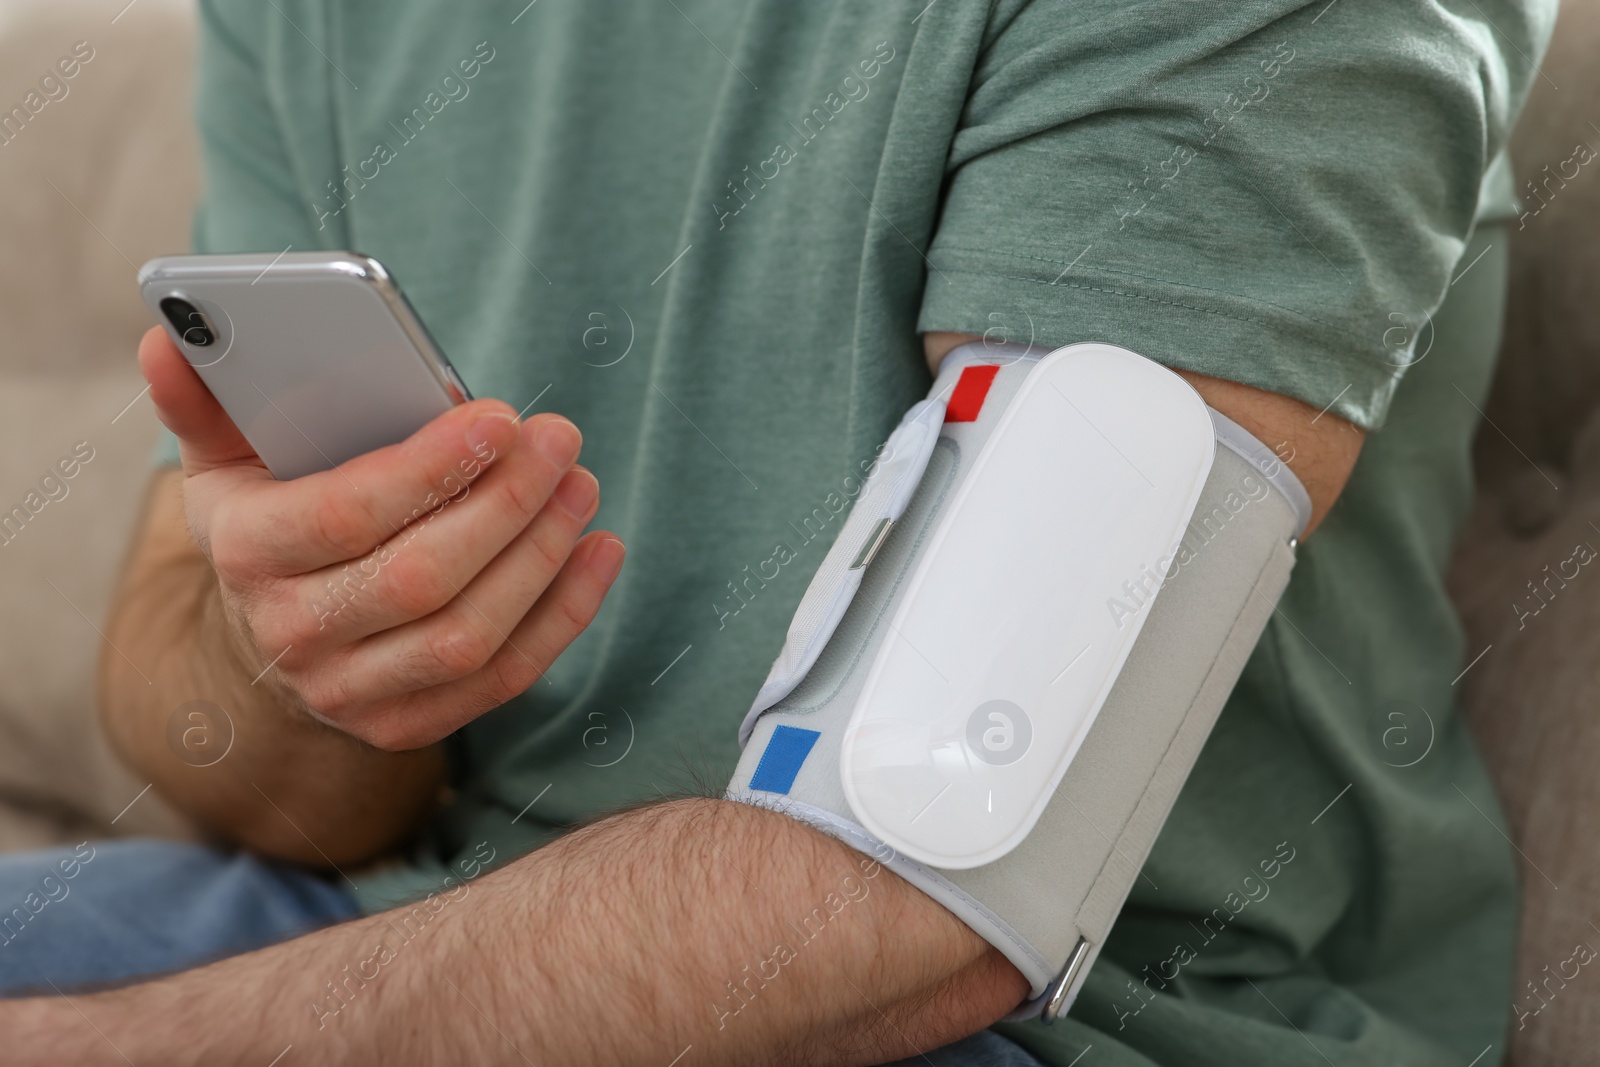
x=316 y=356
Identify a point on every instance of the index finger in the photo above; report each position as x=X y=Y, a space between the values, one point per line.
x=336 y=515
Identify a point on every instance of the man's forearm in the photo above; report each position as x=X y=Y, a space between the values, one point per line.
x=701 y=923
x=244 y=764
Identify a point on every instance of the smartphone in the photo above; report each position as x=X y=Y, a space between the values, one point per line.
x=316 y=356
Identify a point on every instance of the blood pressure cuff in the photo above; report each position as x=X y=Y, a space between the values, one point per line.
x=1011 y=656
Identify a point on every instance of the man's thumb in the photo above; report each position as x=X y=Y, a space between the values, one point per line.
x=209 y=438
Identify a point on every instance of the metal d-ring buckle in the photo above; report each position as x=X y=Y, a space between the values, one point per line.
x=874 y=541
x=1059 y=994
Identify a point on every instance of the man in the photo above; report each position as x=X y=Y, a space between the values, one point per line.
x=729 y=241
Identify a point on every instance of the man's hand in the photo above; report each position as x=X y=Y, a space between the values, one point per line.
x=414 y=587
x=393 y=599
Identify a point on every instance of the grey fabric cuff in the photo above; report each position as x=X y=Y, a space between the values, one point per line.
x=1049 y=904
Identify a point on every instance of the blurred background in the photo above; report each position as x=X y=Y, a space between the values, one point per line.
x=101 y=178
x=98 y=173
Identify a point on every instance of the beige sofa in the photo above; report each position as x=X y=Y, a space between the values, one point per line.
x=1533 y=700
x=103 y=178
x=100 y=179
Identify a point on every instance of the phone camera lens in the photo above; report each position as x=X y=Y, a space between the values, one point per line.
x=187 y=320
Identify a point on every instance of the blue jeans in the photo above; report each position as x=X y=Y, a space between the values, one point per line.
x=116 y=910
x=119 y=910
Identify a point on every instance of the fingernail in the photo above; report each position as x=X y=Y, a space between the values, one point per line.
x=608 y=557
x=489 y=433
x=576 y=493
x=558 y=441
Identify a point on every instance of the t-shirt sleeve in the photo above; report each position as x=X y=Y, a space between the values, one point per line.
x=1275 y=193
x=249 y=200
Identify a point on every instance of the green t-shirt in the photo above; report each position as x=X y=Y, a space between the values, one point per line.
x=710 y=231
